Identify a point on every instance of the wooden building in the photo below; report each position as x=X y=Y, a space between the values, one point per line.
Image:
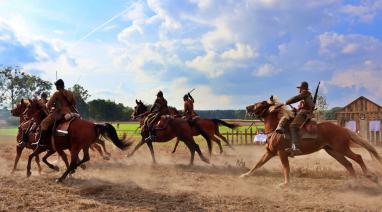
x=364 y=117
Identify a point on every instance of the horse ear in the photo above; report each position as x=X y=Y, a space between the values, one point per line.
x=136 y=101
x=22 y=101
x=271 y=98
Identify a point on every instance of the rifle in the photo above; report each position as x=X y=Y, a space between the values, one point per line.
x=316 y=95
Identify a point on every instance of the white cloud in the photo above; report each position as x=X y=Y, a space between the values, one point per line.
x=265 y=70
x=365 y=11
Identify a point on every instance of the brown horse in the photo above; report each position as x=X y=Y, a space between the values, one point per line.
x=209 y=126
x=81 y=135
x=334 y=139
x=175 y=128
x=18 y=111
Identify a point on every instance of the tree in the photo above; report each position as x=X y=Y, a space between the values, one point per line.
x=106 y=110
x=331 y=114
x=15 y=84
x=321 y=106
x=81 y=95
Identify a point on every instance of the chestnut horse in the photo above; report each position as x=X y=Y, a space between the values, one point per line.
x=81 y=135
x=210 y=126
x=334 y=139
x=18 y=111
x=175 y=128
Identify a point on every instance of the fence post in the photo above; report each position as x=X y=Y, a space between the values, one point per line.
x=227 y=136
x=245 y=135
x=251 y=136
x=237 y=136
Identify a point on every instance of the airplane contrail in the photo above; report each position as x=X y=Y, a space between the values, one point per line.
x=100 y=26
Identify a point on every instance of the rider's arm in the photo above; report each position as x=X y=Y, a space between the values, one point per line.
x=297 y=98
x=51 y=101
x=192 y=99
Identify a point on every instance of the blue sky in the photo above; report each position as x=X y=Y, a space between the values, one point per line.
x=233 y=52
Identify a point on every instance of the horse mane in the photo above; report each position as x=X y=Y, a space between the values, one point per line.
x=276 y=108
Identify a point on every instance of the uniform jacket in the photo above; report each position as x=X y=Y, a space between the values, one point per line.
x=306 y=101
x=160 y=106
x=63 y=101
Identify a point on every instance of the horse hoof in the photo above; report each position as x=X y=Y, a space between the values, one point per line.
x=244 y=175
x=29 y=174
x=83 y=167
x=373 y=178
x=283 y=185
x=59 y=180
x=206 y=160
x=106 y=158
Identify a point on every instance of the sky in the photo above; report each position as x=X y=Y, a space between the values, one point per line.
x=233 y=52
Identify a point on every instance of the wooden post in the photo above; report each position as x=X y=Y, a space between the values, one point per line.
x=227 y=136
x=251 y=136
x=246 y=141
x=237 y=136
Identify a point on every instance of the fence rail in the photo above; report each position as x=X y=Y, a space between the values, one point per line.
x=234 y=137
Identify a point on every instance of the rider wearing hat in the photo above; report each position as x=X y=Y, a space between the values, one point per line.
x=305 y=108
x=63 y=102
x=189 y=112
x=158 y=109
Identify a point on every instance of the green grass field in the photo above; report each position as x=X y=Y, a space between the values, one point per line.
x=130 y=127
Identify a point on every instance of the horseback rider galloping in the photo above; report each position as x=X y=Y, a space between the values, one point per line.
x=189 y=112
x=304 y=110
x=64 y=102
x=158 y=109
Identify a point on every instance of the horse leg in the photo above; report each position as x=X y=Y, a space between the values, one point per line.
x=358 y=158
x=218 y=142
x=37 y=159
x=176 y=145
x=98 y=148
x=192 y=151
x=224 y=139
x=196 y=148
x=85 y=158
x=286 y=169
x=64 y=157
x=73 y=163
x=136 y=148
x=37 y=151
x=267 y=155
x=342 y=160
x=45 y=160
x=102 y=143
x=150 y=145
x=18 y=155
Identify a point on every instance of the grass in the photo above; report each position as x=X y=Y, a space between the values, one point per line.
x=8 y=131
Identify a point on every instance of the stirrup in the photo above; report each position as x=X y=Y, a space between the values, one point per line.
x=151 y=138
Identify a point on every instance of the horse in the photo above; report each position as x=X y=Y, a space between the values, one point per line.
x=175 y=128
x=81 y=135
x=210 y=126
x=18 y=111
x=334 y=139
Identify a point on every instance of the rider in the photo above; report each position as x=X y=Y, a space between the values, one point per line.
x=303 y=111
x=64 y=102
x=189 y=112
x=30 y=125
x=158 y=109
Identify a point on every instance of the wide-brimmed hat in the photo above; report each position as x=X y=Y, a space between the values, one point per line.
x=304 y=85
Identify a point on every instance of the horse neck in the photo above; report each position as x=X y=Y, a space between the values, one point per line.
x=270 y=122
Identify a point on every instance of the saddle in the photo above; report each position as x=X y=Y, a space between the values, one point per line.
x=162 y=123
x=63 y=125
x=308 y=130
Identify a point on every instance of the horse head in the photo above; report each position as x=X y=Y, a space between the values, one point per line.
x=139 y=109
x=20 y=108
x=34 y=110
x=260 y=109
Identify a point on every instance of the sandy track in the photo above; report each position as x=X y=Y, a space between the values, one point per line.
x=318 y=183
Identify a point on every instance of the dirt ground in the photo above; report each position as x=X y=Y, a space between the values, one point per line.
x=124 y=184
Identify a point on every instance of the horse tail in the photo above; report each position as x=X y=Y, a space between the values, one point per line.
x=193 y=123
x=365 y=144
x=221 y=122
x=108 y=131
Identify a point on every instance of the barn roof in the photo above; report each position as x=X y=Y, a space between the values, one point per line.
x=361 y=97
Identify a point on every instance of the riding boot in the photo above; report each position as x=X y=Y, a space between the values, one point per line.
x=281 y=126
x=295 y=150
x=41 y=141
x=151 y=136
x=24 y=139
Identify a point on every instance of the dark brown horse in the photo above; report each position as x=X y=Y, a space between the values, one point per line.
x=18 y=111
x=81 y=135
x=209 y=126
x=175 y=128
x=334 y=139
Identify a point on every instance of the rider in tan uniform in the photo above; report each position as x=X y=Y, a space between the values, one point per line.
x=64 y=102
x=305 y=109
x=158 y=109
x=189 y=112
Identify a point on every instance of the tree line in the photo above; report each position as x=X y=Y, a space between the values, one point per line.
x=16 y=84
